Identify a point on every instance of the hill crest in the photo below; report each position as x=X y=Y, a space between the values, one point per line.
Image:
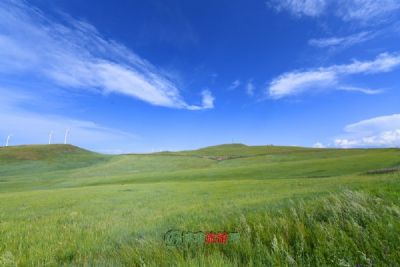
x=40 y=152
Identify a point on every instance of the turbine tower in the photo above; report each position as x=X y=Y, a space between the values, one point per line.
x=8 y=139
x=66 y=136
x=50 y=137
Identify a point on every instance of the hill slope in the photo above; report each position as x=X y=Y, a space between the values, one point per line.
x=64 y=206
x=69 y=166
x=40 y=152
x=241 y=150
x=18 y=160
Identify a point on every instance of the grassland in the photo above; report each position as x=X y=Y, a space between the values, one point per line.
x=64 y=206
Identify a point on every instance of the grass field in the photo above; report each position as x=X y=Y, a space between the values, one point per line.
x=64 y=206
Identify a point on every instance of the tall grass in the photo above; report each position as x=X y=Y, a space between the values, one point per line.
x=63 y=206
x=347 y=229
x=352 y=228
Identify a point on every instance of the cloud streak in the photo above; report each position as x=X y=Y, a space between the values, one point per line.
x=347 y=10
x=345 y=41
x=367 y=91
x=377 y=124
x=235 y=84
x=312 y=8
x=73 y=54
x=297 y=82
x=250 y=88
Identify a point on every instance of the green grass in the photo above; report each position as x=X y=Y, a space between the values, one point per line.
x=65 y=206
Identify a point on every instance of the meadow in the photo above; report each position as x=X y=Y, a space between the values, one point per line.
x=61 y=205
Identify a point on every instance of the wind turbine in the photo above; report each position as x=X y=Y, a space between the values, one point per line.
x=8 y=139
x=66 y=136
x=50 y=137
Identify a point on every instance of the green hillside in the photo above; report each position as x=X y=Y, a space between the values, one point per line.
x=240 y=150
x=293 y=206
x=41 y=152
x=18 y=160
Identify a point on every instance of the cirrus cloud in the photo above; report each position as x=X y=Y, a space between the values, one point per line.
x=355 y=10
x=342 y=41
x=296 y=82
x=73 y=54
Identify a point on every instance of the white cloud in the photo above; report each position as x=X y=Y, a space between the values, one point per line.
x=293 y=83
x=345 y=41
x=364 y=10
x=235 y=84
x=355 y=10
x=385 y=62
x=377 y=124
x=345 y=143
x=319 y=145
x=383 y=131
x=75 y=55
x=367 y=91
x=207 y=101
x=296 y=82
x=250 y=88
x=383 y=139
x=312 y=8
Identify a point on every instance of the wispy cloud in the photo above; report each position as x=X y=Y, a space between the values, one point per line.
x=355 y=10
x=366 y=10
x=250 y=88
x=345 y=41
x=312 y=8
x=367 y=91
x=377 y=124
x=319 y=145
x=207 y=101
x=235 y=84
x=29 y=127
x=296 y=82
x=383 y=131
x=73 y=54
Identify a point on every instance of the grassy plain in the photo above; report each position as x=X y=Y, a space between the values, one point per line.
x=64 y=206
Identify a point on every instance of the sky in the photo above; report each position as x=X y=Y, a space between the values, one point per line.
x=143 y=76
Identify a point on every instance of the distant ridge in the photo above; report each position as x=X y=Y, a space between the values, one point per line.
x=225 y=151
x=41 y=152
x=60 y=151
x=31 y=160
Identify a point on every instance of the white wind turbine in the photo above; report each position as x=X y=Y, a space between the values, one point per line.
x=66 y=136
x=8 y=139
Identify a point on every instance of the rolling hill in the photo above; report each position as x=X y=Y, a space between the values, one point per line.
x=293 y=206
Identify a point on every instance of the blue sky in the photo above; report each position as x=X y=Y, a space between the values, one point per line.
x=142 y=76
